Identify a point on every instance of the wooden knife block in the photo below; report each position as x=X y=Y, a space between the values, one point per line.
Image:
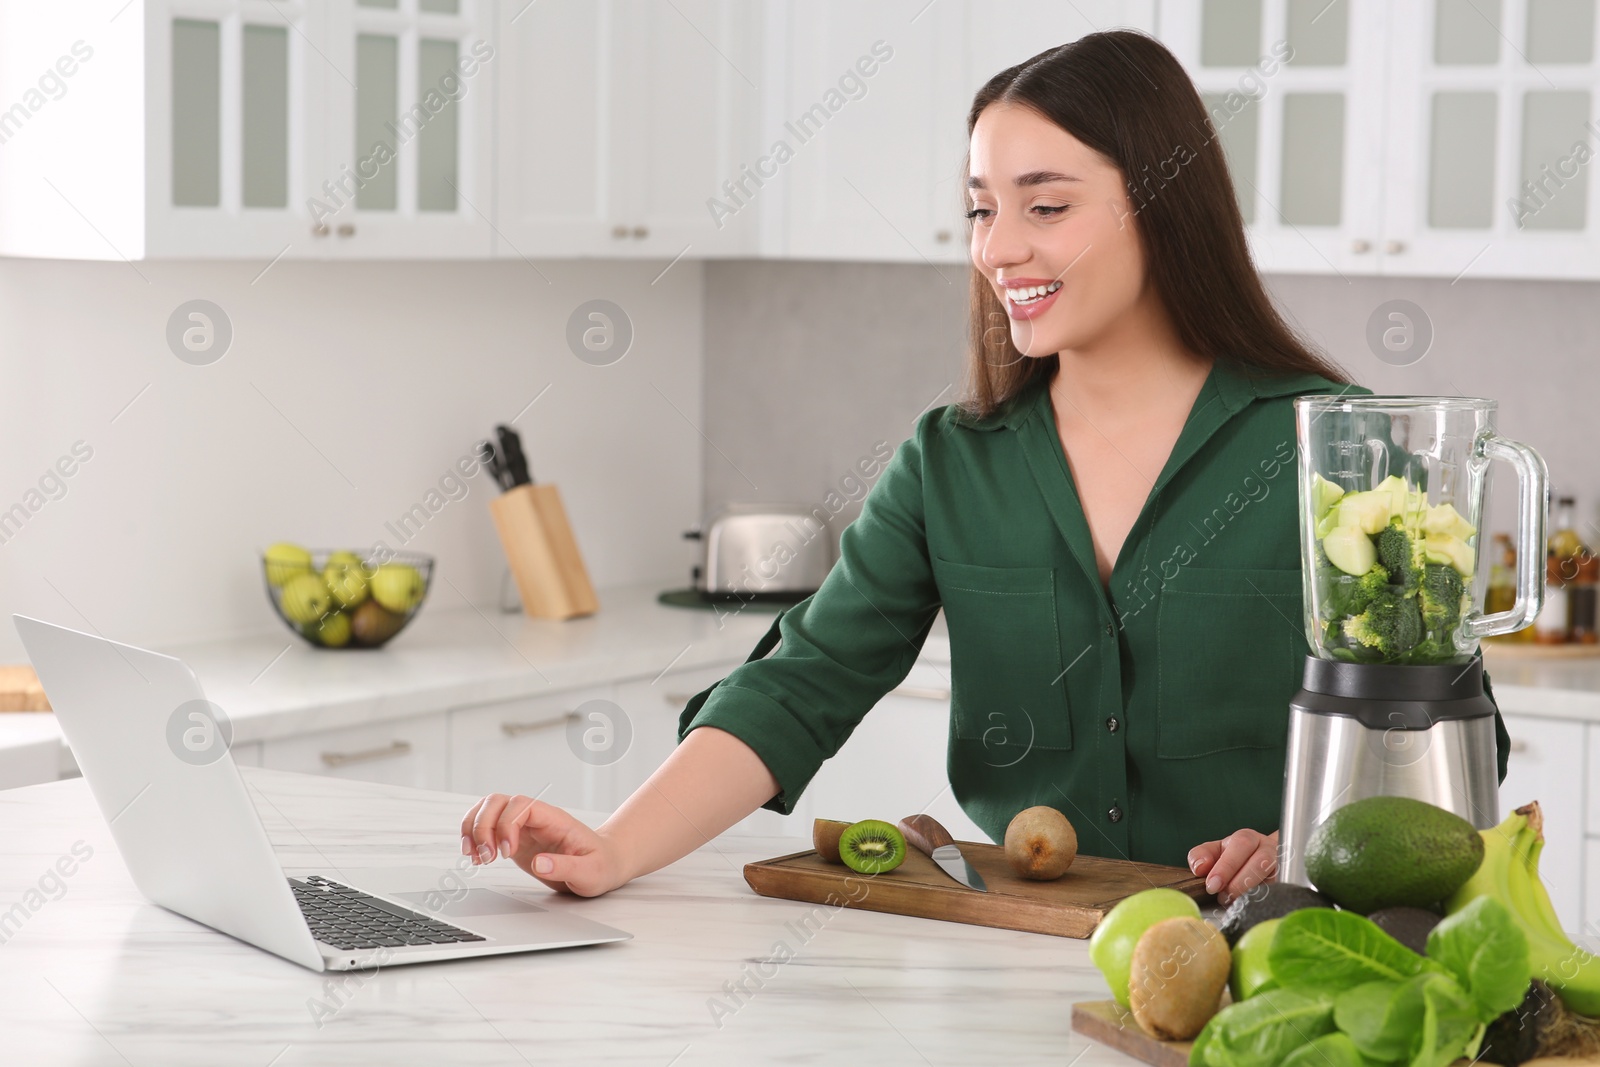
x=544 y=557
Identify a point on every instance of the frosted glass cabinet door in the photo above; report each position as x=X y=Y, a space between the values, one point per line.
x=409 y=107
x=1291 y=88
x=233 y=139
x=1491 y=138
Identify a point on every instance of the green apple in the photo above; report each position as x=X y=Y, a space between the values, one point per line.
x=346 y=579
x=305 y=599
x=285 y=561
x=1350 y=549
x=398 y=587
x=1111 y=944
x=1250 y=969
x=1370 y=511
x=1447 y=548
x=334 y=631
x=1324 y=494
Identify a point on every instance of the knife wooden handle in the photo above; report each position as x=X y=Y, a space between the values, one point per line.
x=924 y=833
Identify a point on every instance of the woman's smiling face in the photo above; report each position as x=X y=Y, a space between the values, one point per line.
x=1049 y=211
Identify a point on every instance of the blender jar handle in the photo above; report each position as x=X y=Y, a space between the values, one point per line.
x=1533 y=502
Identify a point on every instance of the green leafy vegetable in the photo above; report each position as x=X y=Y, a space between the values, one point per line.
x=1319 y=950
x=1487 y=952
x=1331 y=1050
x=1424 y=1021
x=1262 y=1031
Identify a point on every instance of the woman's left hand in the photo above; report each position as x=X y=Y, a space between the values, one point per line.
x=1242 y=860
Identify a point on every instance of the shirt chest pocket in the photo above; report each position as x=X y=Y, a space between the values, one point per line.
x=1229 y=657
x=1005 y=650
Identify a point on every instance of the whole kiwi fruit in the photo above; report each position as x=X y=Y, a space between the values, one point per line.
x=825 y=834
x=1040 y=843
x=1179 y=969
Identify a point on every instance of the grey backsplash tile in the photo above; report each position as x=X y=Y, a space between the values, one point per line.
x=809 y=364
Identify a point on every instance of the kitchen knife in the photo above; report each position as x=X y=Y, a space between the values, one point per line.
x=515 y=462
x=496 y=469
x=924 y=833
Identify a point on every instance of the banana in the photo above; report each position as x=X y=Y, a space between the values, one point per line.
x=1510 y=873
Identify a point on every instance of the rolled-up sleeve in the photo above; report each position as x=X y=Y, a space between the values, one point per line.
x=836 y=653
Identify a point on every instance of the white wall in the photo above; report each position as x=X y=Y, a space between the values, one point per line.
x=348 y=392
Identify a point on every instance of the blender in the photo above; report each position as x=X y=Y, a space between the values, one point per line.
x=1391 y=701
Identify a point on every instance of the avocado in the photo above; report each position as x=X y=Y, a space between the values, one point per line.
x=1273 y=900
x=1409 y=926
x=1521 y=1033
x=1384 y=852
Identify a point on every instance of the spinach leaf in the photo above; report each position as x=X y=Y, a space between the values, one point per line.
x=1425 y=1021
x=1327 y=951
x=1486 y=950
x=1331 y=1050
x=1262 y=1031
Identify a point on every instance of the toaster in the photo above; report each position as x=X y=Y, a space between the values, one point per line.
x=772 y=550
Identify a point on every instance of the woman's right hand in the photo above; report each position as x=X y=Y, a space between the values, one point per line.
x=543 y=840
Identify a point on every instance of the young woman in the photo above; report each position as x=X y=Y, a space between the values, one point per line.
x=1108 y=521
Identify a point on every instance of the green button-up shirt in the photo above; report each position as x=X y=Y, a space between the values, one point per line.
x=1154 y=715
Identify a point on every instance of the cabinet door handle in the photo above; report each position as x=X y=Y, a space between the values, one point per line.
x=677 y=700
x=1360 y=244
x=1519 y=746
x=347 y=229
x=1394 y=248
x=921 y=692
x=517 y=729
x=943 y=236
x=389 y=751
x=619 y=231
x=641 y=231
x=320 y=230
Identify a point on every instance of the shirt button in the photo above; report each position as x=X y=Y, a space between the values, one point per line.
x=1115 y=814
x=1112 y=724
x=1110 y=629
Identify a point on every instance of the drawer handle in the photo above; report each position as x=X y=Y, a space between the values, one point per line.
x=678 y=700
x=921 y=692
x=517 y=729
x=389 y=751
x=1519 y=746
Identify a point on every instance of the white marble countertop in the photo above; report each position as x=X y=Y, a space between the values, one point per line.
x=275 y=685
x=1554 y=688
x=95 y=975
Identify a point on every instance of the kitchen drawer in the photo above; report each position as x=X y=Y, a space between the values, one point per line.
x=247 y=754
x=895 y=763
x=652 y=706
x=523 y=746
x=1593 y=826
x=1547 y=765
x=409 y=752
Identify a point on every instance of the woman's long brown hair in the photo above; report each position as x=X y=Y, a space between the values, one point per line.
x=1128 y=98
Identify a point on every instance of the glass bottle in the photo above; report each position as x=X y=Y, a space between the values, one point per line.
x=1552 y=625
x=1582 y=597
x=1502 y=590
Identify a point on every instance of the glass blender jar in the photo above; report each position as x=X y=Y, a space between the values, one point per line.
x=1395 y=575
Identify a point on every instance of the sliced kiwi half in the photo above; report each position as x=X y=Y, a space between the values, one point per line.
x=825 y=834
x=872 y=846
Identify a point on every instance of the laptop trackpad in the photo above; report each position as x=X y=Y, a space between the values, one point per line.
x=475 y=902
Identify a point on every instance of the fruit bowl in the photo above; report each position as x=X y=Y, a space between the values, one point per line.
x=337 y=599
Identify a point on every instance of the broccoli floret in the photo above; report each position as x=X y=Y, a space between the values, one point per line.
x=1440 y=597
x=1346 y=595
x=1402 y=555
x=1391 y=624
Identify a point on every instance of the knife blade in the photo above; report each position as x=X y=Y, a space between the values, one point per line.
x=924 y=833
x=511 y=455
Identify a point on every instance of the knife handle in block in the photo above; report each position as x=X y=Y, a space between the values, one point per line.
x=924 y=833
x=543 y=553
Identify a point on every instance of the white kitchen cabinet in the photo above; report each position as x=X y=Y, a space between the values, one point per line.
x=652 y=707
x=1591 y=897
x=1402 y=138
x=410 y=752
x=410 y=104
x=894 y=764
x=525 y=746
x=619 y=122
x=159 y=128
x=1547 y=765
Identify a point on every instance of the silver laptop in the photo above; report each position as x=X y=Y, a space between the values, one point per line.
x=152 y=752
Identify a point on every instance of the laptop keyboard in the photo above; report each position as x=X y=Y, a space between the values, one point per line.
x=347 y=918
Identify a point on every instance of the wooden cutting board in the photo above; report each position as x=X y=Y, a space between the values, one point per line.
x=20 y=690
x=1108 y=1023
x=1070 y=906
